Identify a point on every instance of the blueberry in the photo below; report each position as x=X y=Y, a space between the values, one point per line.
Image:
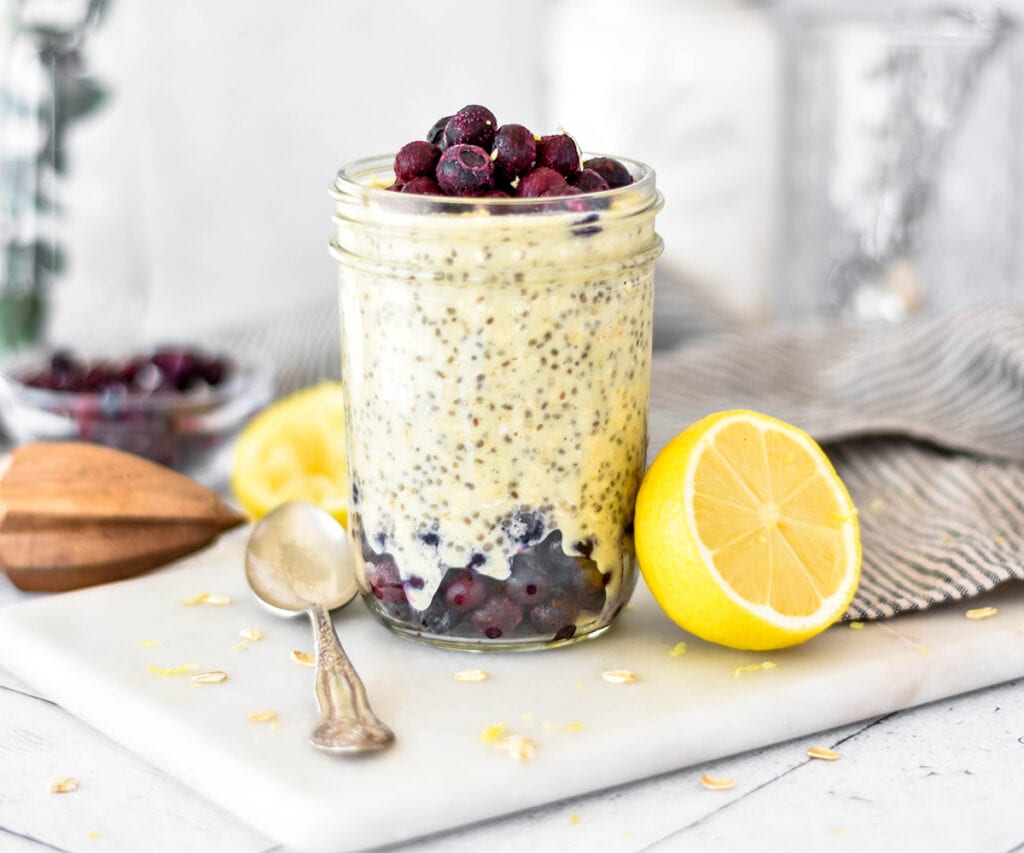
x=422 y=185
x=559 y=152
x=589 y=181
x=465 y=591
x=472 y=125
x=179 y=367
x=415 y=160
x=614 y=173
x=396 y=187
x=525 y=527
x=529 y=583
x=515 y=151
x=214 y=371
x=438 y=618
x=465 y=170
x=435 y=136
x=63 y=361
x=555 y=615
x=539 y=181
x=588 y=585
x=384 y=581
x=497 y=616
x=496 y=193
x=430 y=538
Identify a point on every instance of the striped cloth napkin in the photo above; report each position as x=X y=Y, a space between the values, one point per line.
x=923 y=421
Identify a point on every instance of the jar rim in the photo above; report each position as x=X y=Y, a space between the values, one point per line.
x=366 y=181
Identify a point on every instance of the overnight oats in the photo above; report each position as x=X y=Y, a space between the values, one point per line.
x=496 y=347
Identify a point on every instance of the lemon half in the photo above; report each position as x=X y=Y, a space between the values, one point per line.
x=295 y=450
x=745 y=534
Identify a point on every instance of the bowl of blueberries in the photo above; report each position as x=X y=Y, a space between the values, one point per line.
x=180 y=406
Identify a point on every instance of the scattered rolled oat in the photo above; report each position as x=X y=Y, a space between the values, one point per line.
x=1000 y=539
x=519 y=747
x=206 y=598
x=618 y=676
x=822 y=752
x=716 y=783
x=527 y=716
x=981 y=613
x=64 y=785
x=262 y=716
x=876 y=506
x=752 y=667
x=172 y=670
x=214 y=676
x=471 y=675
x=305 y=658
x=152 y=644
x=574 y=820
x=92 y=835
x=493 y=732
x=677 y=650
x=248 y=635
x=856 y=626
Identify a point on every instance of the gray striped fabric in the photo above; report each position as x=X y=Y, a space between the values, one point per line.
x=924 y=422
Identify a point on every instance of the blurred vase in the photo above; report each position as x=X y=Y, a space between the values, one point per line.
x=44 y=88
x=903 y=162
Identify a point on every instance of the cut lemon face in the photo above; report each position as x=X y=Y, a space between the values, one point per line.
x=745 y=534
x=295 y=450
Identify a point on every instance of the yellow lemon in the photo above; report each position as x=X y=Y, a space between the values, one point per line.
x=295 y=450
x=745 y=534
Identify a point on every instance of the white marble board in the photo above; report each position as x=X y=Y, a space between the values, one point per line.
x=85 y=651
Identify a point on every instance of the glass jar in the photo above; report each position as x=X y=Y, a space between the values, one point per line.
x=496 y=364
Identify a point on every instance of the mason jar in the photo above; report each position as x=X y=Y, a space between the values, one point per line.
x=496 y=362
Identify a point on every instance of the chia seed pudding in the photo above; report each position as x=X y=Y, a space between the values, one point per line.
x=496 y=364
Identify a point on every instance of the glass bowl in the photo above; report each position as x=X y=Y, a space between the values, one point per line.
x=191 y=431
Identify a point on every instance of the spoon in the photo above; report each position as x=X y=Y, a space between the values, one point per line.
x=299 y=558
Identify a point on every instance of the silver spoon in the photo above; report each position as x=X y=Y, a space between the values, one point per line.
x=299 y=558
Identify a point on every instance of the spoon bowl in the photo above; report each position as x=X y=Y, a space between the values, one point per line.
x=300 y=559
x=297 y=556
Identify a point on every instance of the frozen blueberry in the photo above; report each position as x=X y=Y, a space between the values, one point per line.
x=539 y=181
x=496 y=193
x=515 y=151
x=614 y=173
x=422 y=185
x=587 y=584
x=555 y=615
x=472 y=125
x=396 y=187
x=416 y=159
x=384 y=581
x=435 y=136
x=529 y=583
x=430 y=538
x=465 y=170
x=438 y=618
x=497 y=616
x=559 y=152
x=589 y=181
x=214 y=371
x=465 y=591
x=179 y=367
x=525 y=527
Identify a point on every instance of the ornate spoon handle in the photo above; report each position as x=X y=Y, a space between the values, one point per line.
x=347 y=722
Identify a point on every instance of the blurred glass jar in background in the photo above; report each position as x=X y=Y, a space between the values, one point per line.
x=902 y=162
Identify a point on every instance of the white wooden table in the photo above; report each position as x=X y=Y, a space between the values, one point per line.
x=946 y=776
